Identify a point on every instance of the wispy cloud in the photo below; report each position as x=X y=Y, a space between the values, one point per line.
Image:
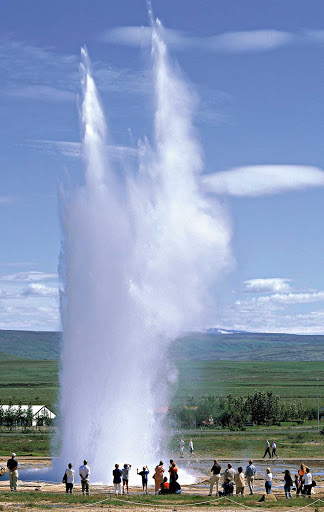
x=38 y=73
x=25 y=277
x=6 y=200
x=41 y=92
x=230 y=42
x=74 y=149
x=270 y=285
x=259 y=180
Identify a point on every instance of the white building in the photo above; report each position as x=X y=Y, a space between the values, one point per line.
x=38 y=411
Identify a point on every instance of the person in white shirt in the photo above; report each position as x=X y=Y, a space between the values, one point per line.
x=181 y=445
x=191 y=447
x=69 y=472
x=84 y=472
x=274 y=448
x=307 y=479
x=268 y=480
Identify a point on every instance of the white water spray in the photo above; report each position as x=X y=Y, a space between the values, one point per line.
x=139 y=258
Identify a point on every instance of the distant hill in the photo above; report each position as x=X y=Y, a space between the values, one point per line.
x=31 y=344
x=211 y=345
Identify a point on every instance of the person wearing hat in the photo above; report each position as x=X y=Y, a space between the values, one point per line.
x=12 y=466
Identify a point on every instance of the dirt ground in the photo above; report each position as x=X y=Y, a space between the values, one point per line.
x=199 y=467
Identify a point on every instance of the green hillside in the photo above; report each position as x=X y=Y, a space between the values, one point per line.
x=207 y=363
x=197 y=346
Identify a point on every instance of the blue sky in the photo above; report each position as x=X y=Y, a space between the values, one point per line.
x=257 y=69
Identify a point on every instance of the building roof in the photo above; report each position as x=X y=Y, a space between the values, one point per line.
x=35 y=408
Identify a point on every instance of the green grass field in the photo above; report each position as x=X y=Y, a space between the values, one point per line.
x=36 y=381
x=290 y=380
x=28 y=380
x=45 y=501
x=251 y=444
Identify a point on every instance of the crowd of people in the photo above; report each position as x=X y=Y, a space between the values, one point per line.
x=225 y=482
x=303 y=481
x=163 y=484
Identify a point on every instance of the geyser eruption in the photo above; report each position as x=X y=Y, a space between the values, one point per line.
x=139 y=255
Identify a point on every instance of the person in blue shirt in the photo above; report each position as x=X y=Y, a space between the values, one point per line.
x=144 y=474
x=250 y=471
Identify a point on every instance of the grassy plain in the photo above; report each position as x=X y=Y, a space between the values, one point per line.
x=36 y=381
x=46 y=500
x=291 y=380
x=28 y=380
x=251 y=444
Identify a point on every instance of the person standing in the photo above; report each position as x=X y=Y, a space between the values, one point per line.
x=250 y=471
x=181 y=446
x=298 y=485
x=307 y=479
x=158 y=477
x=229 y=473
x=268 y=481
x=69 y=479
x=144 y=474
x=125 y=476
x=117 y=473
x=267 y=449
x=301 y=473
x=84 y=472
x=191 y=446
x=12 y=466
x=215 y=478
x=239 y=481
x=274 y=448
x=288 y=484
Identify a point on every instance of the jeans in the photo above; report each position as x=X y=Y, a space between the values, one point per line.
x=288 y=491
x=268 y=486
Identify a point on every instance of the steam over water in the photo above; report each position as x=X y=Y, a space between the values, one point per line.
x=139 y=256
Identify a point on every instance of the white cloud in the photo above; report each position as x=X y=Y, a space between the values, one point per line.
x=286 y=299
x=41 y=92
x=277 y=313
x=39 y=290
x=23 y=317
x=231 y=42
x=30 y=276
x=259 y=180
x=250 y=40
x=270 y=285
